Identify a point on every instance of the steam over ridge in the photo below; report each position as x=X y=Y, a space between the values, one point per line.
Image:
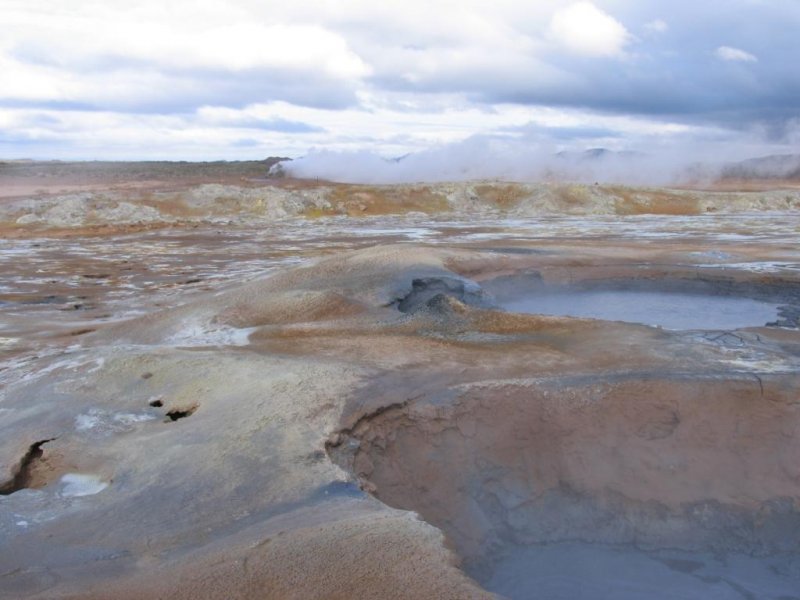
x=508 y=159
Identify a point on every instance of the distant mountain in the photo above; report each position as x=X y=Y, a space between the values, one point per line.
x=777 y=166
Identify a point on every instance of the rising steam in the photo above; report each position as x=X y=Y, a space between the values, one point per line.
x=513 y=159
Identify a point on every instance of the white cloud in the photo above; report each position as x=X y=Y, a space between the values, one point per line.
x=212 y=133
x=584 y=29
x=734 y=54
x=33 y=82
x=148 y=56
x=228 y=78
x=87 y=43
x=656 y=26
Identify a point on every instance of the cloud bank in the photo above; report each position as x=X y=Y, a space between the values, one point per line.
x=250 y=78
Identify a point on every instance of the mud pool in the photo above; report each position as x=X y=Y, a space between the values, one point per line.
x=670 y=310
x=575 y=571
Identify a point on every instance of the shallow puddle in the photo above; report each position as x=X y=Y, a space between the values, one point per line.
x=77 y=484
x=670 y=310
x=578 y=571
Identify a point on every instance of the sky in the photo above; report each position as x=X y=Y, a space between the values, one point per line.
x=454 y=84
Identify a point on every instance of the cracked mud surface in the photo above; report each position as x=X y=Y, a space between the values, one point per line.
x=338 y=408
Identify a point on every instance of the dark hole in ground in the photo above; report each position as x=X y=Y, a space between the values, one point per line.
x=156 y=403
x=22 y=475
x=176 y=414
x=81 y=332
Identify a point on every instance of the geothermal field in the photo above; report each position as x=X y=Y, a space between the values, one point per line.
x=219 y=385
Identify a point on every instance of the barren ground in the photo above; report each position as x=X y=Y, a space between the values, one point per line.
x=215 y=386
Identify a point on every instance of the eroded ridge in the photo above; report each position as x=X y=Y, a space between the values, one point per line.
x=24 y=473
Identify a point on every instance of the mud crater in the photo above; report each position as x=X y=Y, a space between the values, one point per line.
x=625 y=468
x=425 y=290
x=671 y=303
